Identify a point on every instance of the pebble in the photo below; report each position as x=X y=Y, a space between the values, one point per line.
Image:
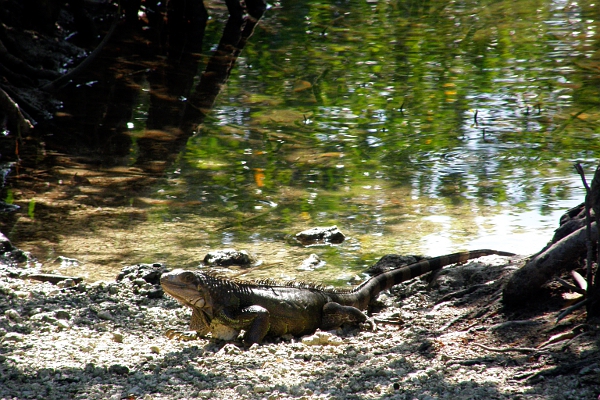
x=13 y=337
x=241 y=389
x=62 y=314
x=139 y=282
x=105 y=315
x=21 y=294
x=12 y=314
x=322 y=338
x=117 y=337
x=62 y=324
x=311 y=263
x=67 y=283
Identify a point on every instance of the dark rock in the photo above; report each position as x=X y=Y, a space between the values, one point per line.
x=62 y=314
x=155 y=293
x=321 y=236
x=426 y=346
x=118 y=369
x=9 y=254
x=149 y=272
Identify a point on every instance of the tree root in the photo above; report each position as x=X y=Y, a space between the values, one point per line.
x=560 y=256
x=61 y=81
x=15 y=121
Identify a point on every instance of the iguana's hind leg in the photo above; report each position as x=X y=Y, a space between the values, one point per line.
x=335 y=315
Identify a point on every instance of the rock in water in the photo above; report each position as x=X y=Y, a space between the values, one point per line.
x=228 y=257
x=321 y=236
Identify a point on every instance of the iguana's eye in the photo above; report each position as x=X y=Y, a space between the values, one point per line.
x=188 y=277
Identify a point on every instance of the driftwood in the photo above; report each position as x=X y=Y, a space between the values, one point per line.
x=562 y=255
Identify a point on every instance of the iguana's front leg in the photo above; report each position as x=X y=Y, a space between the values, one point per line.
x=335 y=315
x=199 y=327
x=253 y=319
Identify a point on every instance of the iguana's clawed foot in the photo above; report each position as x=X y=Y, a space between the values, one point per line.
x=369 y=324
x=181 y=335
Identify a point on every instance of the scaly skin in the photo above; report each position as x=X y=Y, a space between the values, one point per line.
x=224 y=306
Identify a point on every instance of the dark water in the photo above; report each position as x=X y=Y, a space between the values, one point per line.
x=415 y=127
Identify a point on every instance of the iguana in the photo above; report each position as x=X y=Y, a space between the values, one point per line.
x=224 y=306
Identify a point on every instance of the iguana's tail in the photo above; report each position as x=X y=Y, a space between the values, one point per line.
x=362 y=294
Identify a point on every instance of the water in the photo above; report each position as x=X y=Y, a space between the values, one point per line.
x=416 y=128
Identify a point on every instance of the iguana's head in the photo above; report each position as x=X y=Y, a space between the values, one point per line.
x=188 y=288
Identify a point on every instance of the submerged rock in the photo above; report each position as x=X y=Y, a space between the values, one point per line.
x=321 y=236
x=311 y=263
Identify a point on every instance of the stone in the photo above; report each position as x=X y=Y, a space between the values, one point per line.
x=13 y=315
x=62 y=324
x=117 y=337
x=13 y=337
x=62 y=314
x=229 y=257
x=106 y=315
x=320 y=236
x=67 y=283
x=118 y=369
x=311 y=263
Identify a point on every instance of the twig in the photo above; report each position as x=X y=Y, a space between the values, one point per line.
x=512 y=324
x=571 y=309
x=52 y=278
x=232 y=224
x=387 y=321
x=563 y=369
x=572 y=118
x=508 y=349
x=588 y=224
x=461 y=293
x=595 y=204
x=571 y=287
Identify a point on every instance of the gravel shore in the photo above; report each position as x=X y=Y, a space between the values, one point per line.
x=107 y=340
